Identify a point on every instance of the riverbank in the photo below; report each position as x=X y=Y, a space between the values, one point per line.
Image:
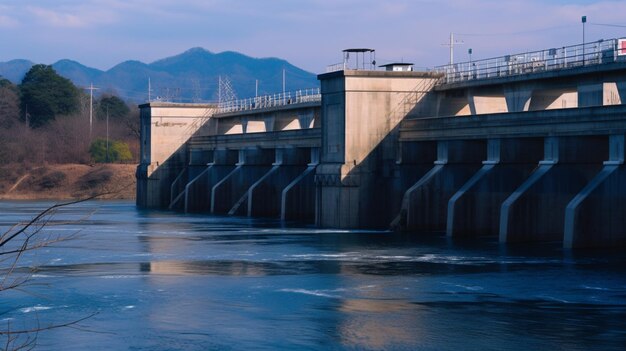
x=67 y=181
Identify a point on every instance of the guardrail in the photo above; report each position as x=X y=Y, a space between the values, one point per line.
x=594 y=53
x=267 y=101
x=336 y=67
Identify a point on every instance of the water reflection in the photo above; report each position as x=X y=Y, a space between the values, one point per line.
x=380 y=324
x=230 y=268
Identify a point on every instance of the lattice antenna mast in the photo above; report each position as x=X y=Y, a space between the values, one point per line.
x=226 y=90
x=197 y=91
x=149 y=90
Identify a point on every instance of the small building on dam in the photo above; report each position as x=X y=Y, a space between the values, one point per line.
x=524 y=148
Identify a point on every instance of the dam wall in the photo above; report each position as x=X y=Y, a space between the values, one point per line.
x=523 y=152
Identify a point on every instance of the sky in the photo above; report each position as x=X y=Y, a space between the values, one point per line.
x=307 y=33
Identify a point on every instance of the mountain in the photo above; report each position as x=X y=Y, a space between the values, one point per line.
x=79 y=74
x=190 y=76
x=15 y=70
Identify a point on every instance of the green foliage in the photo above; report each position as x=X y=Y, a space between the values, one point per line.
x=116 y=108
x=45 y=95
x=119 y=151
x=5 y=83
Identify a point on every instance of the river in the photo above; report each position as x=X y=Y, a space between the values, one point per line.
x=154 y=280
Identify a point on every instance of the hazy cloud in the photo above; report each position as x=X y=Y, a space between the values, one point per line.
x=58 y=19
x=8 y=22
x=308 y=33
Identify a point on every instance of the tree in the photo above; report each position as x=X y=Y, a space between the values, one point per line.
x=112 y=105
x=120 y=114
x=46 y=95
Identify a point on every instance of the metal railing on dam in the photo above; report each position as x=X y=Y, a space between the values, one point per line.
x=269 y=101
x=588 y=54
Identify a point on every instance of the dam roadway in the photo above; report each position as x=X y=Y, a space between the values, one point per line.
x=524 y=148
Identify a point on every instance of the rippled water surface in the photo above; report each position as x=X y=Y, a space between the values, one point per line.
x=165 y=281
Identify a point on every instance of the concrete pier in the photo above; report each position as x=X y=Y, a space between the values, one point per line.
x=165 y=128
x=265 y=196
x=425 y=204
x=474 y=210
x=535 y=211
x=600 y=205
x=361 y=112
x=297 y=200
x=229 y=194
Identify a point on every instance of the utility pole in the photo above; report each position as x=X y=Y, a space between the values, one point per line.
x=451 y=45
x=107 y=158
x=256 y=88
x=149 y=90
x=584 y=20
x=91 y=89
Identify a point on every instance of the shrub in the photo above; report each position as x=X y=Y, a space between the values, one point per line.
x=119 y=151
x=95 y=179
x=52 y=180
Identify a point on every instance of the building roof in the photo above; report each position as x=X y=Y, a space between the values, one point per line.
x=397 y=64
x=359 y=50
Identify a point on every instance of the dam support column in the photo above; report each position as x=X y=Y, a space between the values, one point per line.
x=264 y=197
x=227 y=195
x=415 y=159
x=297 y=200
x=474 y=210
x=424 y=206
x=596 y=217
x=198 y=161
x=197 y=193
x=535 y=210
x=518 y=97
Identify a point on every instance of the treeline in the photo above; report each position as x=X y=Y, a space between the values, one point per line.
x=46 y=119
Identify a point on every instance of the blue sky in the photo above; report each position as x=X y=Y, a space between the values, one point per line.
x=308 y=33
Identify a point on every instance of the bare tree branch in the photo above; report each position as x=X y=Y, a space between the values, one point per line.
x=43 y=213
x=24 y=237
x=50 y=327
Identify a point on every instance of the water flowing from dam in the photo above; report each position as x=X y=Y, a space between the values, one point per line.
x=153 y=280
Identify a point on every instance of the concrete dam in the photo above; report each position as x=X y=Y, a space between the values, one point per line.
x=523 y=148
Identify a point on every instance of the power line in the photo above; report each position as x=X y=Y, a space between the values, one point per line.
x=608 y=25
x=514 y=33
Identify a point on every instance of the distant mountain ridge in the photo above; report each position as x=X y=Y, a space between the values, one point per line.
x=188 y=77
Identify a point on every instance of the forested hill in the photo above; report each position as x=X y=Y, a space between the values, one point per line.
x=188 y=77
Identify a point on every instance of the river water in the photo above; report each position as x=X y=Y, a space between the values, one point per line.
x=163 y=281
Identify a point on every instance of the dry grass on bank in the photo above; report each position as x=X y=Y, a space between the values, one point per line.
x=67 y=181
